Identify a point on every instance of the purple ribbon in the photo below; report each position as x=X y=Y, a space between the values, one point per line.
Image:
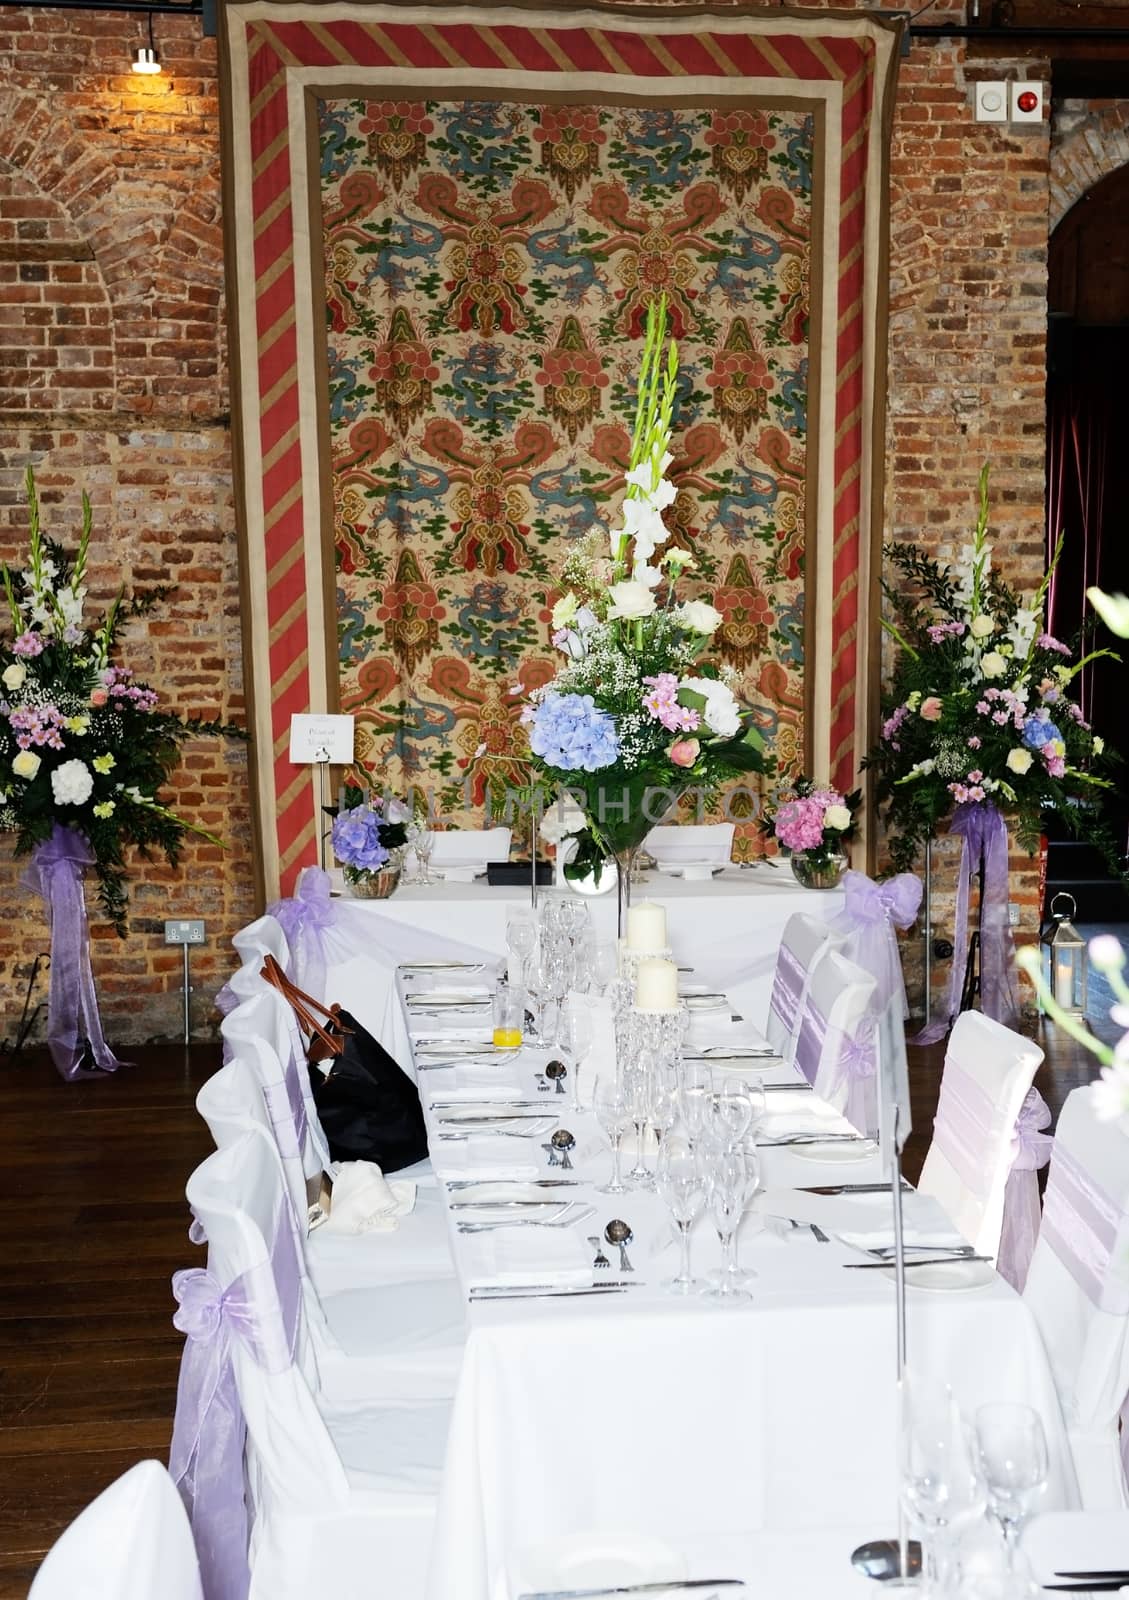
x=789 y=983
x=983 y=835
x=852 y=1059
x=1082 y=1225
x=73 y=1023
x=305 y=920
x=260 y=1309
x=1031 y=1149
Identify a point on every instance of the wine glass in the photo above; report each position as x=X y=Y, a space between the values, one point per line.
x=731 y=1111
x=637 y=1077
x=423 y=842
x=680 y=1186
x=663 y=1102
x=605 y=964
x=940 y=1486
x=521 y=937
x=697 y=1086
x=725 y=1181
x=613 y=1114
x=538 y=985
x=1012 y=1448
x=574 y=1039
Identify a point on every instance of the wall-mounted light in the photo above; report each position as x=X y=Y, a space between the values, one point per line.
x=145 y=57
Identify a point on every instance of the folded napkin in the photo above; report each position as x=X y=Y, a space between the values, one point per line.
x=428 y=1030
x=514 y=1256
x=485 y=1081
x=364 y=1201
x=924 y=1222
x=461 y=847
x=803 y=1114
x=450 y=989
x=718 y=1027
x=485 y=1159
x=461 y=872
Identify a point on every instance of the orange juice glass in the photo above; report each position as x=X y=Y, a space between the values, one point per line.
x=509 y=1016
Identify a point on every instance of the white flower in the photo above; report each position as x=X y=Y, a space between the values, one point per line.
x=1025 y=625
x=722 y=714
x=1019 y=760
x=981 y=626
x=1107 y=953
x=699 y=616
x=1113 y=610
x=837 y=817
x=71 y=784
x=563 y=818
x=1110 y=1092
x=993 y=665
x=649 y=577
x=70 y=604
x=15 y=675
x=643 y=523
x=26 y=764
x=1099 y=744
x=565 y=611
x=630 y=600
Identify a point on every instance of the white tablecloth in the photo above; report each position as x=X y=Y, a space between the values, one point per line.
x=729 y=928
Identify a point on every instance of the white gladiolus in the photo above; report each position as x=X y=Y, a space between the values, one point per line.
x=649 y=577
x=630 y=600
x=72 y=784
x=699 y=616
x=1113 y=610
x=643 y=523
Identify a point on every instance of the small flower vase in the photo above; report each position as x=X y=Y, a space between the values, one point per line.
x=817 y=871
x=364 y=885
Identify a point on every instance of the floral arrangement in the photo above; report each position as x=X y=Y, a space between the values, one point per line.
x=637 y=714
x=83 y=744
x=979 y=708
x=813 y=821
x=364 y=838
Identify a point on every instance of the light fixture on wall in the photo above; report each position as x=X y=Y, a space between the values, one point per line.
x=145 y=57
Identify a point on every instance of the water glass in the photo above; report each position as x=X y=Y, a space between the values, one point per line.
x=613 y=1113
x=574 y=1040
x=681 y=1188
x=697 y=1088
x=637 y=1077
x=509 y=1016
x=940 y=1485
x=1012 y=1449
x=604 y=964
x=521 y=938
x=725 y=1183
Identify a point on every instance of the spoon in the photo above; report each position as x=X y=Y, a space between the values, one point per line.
x=563 y=1141
x=601 y=1259
x=551 y=1153
x=618 y=1233
x=556 y=1072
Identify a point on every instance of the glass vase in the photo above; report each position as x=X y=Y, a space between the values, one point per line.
x=818 y=871
x=364 y=885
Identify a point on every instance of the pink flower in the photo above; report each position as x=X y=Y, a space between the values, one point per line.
x=974 y=743
x=931 y=708
x=983 y=707
x=684 y=752
x=28 y=644
x=976 y=777
x=1056 y=766
x=98 y=697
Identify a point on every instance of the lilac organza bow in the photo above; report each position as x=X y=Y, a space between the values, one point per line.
x=306 y=919
x=871 y=913
x=983 y=834
x=895 y=900
x=73 y=1022
x=1031 y=1149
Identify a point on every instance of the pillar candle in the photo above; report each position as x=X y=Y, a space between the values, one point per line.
x=656 y=986
x=1064 y=982
x=646 y=926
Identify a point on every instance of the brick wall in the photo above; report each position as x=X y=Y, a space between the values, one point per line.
x=112 y=374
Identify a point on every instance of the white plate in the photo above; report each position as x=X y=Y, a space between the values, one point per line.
x=949 y=1275
x=705 y=1002
x=588 y=1559
x=857 y=1150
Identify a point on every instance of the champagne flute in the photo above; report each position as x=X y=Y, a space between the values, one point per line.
x=1012 y=1448
x=725 y=1180
x=637 y=1084
x=605 y=964
x=613 y=1114
x=695 y=1097
x=574 y=1039
x=679 y=1182
x=521 y=937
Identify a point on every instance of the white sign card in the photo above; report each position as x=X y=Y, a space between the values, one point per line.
x=321 y=738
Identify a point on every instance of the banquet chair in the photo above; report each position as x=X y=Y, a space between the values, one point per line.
x=132 y=1543
x=262 y=1028
x=835 y=1047
x=342 y=1498
x=803 y=941
x=1078 y=1292
x=986 y=1078
x=261 y=938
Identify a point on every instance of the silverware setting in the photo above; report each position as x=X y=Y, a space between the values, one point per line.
x=478 y=1117
x=563 y=1141
x=601 y=1262
x=812 y=1138
x=928 y=1261
x=619 y=1233
x=520 y=1183
x=728 y=1052
x=442 y=966
x=506 y=1205
x=499 y=1106
x=545 y=1291
x=669 y=1587
x=574 y=1212
x=498 y=1133
x=855 y=1188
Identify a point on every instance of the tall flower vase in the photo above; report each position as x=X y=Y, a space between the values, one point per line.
x=74 y=1027
x=625 y=860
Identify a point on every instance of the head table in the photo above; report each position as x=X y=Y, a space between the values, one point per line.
x=759 y=1440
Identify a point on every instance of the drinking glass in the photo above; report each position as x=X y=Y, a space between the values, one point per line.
x=574 y=1039
x=731 y=1110
x=1012 y=1448
x=521 y=937
x=605 y=964
x=680 y=1186
x=697 y=1086
x=538 y=984
x=424 y=844
x=725 y=1180
x=663 y=1102
x=637 y=1077
x=509 y=1016
x=758 y=1102
x=613 y=1114
x=940 y=1486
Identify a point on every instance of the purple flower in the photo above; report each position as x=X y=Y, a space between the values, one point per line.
x=28 y=644
x=356 y=839
x=570 y=732
x=1047 y=641
x=1038 y=731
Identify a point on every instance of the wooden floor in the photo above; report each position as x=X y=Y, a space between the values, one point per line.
x=96 y=1224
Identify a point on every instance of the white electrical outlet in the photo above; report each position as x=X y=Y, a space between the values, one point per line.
x=1025 y=102
x=990 y=103
x=1012 y=914
x=184 y=931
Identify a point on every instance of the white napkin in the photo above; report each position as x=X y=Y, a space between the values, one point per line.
x=484 y=1159
x=485 y=1081
x=427 y=1030
x=423 y=990
x=364 y=1201
x=806 y=1114
x=719 y=1028
x=924 y=1222
x=514 y=1256
x=460 y=847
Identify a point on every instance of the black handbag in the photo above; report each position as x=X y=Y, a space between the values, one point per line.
x=368 y=1107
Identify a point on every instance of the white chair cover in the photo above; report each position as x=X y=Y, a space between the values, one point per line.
x=132 y=1543
x=835 y=1047
x=987 y=1075
x=804 y=940
x=1078 y=1291
x=263 y=1030
x=340 y=1499
x=261 y=938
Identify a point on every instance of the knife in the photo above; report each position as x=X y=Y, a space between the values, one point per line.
x=1109 y=1573
x=1105 y=1586
x=540 y=1291
x=530 y=1183
x=856 y=1188
x=811 y=1138
x=634 y=1588
x=929 y=1261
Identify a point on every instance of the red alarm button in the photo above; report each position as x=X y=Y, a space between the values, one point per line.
x=1028 y=101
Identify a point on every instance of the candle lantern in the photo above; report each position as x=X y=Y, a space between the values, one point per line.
x=1064 y=958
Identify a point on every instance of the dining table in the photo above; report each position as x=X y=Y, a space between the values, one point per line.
x=595 y=1408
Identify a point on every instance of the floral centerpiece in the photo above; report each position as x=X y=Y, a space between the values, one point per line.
x=368 y=845
x=979 y=719
x=637 y=715
x=812 y=824
x=85 y=749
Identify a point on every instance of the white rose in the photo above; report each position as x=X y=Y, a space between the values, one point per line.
x=993 y=664
x=563 y=818
x=980 y=627
x=26 y=764
x=1099 y=744
x=71 y=784
x=14 y=675
x=630 y=600
x=699 y=616
x=565 y=611
x=722 y=714
x=1019 y=760
x=837 y=817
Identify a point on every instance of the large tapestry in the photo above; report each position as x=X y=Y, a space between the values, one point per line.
x=447 y=226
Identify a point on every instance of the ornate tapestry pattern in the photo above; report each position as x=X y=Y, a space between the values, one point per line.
x=488 y=271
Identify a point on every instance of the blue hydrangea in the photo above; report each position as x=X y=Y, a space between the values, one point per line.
x=570 y=732
x=1038 y=731
x=356 y=839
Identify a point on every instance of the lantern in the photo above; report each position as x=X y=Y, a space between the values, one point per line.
x=1064 y=959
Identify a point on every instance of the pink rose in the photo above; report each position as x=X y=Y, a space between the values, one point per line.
x=931 y=709
x=98 y=697
x=684 y=752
